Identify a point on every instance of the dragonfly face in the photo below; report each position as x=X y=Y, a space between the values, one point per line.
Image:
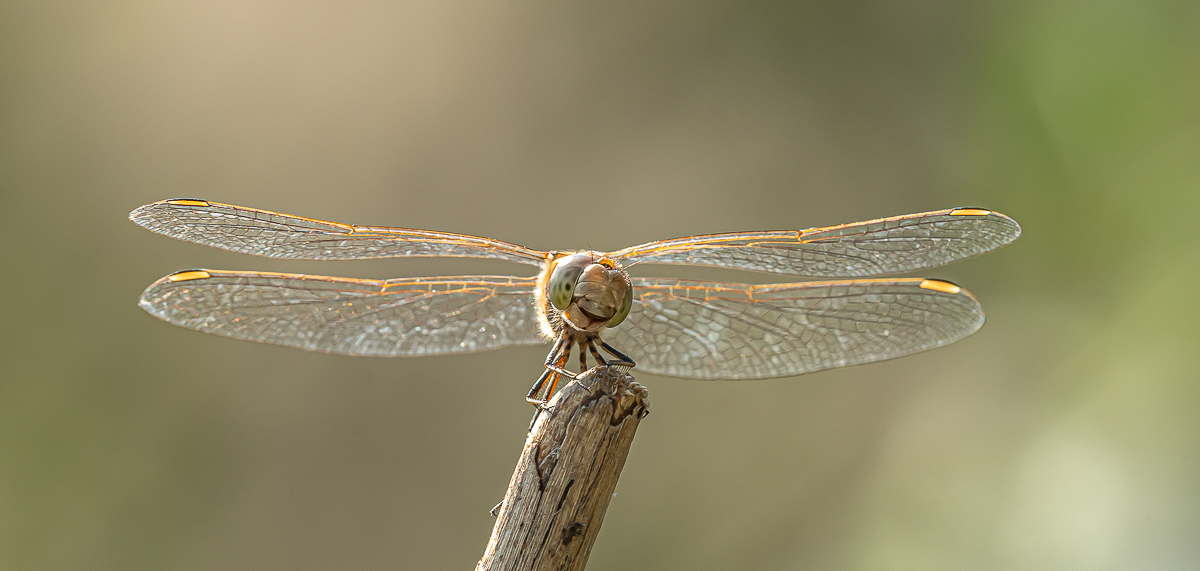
x=590 y=292
x=699 y=329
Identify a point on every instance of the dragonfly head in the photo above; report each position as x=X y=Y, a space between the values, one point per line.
x=591 y=291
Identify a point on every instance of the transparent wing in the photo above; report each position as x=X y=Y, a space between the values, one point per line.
x=397 y=317
x=275 y=235
x=712 y=330
x=862 y=249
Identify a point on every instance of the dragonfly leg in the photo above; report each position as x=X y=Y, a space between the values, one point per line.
x=552 y=369
x=558 y=367
x=600 y=360
x=531 y=398
x=591 y=348
x=623 y=360
x=559 y=372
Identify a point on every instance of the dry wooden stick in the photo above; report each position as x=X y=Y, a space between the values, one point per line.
x=566 y=475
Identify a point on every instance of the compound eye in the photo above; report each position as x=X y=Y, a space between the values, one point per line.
x=561 y=287
x=626 y=305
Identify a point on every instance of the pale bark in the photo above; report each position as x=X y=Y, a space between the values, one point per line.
x=566 y=475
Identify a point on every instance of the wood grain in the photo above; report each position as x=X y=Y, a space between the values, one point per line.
x=566 y=475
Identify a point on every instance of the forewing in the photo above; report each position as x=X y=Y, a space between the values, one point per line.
x=397 y=317
x=275 y=235
x=712 y=330
x=863 y=249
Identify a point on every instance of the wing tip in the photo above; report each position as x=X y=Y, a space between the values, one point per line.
x=188 y=275
x=998 y=216
x=945 y=286
x=151 y=304
x=949 y=287
x=141 y=214
x=185 y=202
x=174 y=277
x=148 y=306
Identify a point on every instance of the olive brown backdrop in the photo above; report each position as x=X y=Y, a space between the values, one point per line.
x=1064 y=435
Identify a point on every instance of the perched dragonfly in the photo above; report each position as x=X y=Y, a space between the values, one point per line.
x=682 y=328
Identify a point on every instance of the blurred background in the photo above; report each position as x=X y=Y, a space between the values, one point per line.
x=1064 y=435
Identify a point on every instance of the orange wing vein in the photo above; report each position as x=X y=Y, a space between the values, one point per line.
x=275 y=235
x=863 y=249
x=396 y=317
x=713 y=330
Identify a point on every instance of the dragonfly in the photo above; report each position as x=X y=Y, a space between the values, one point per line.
x=586 y=300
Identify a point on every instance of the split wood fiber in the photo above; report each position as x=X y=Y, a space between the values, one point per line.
x=566 y=475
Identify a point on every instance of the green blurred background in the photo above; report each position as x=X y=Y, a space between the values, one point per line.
x=1064 y=435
